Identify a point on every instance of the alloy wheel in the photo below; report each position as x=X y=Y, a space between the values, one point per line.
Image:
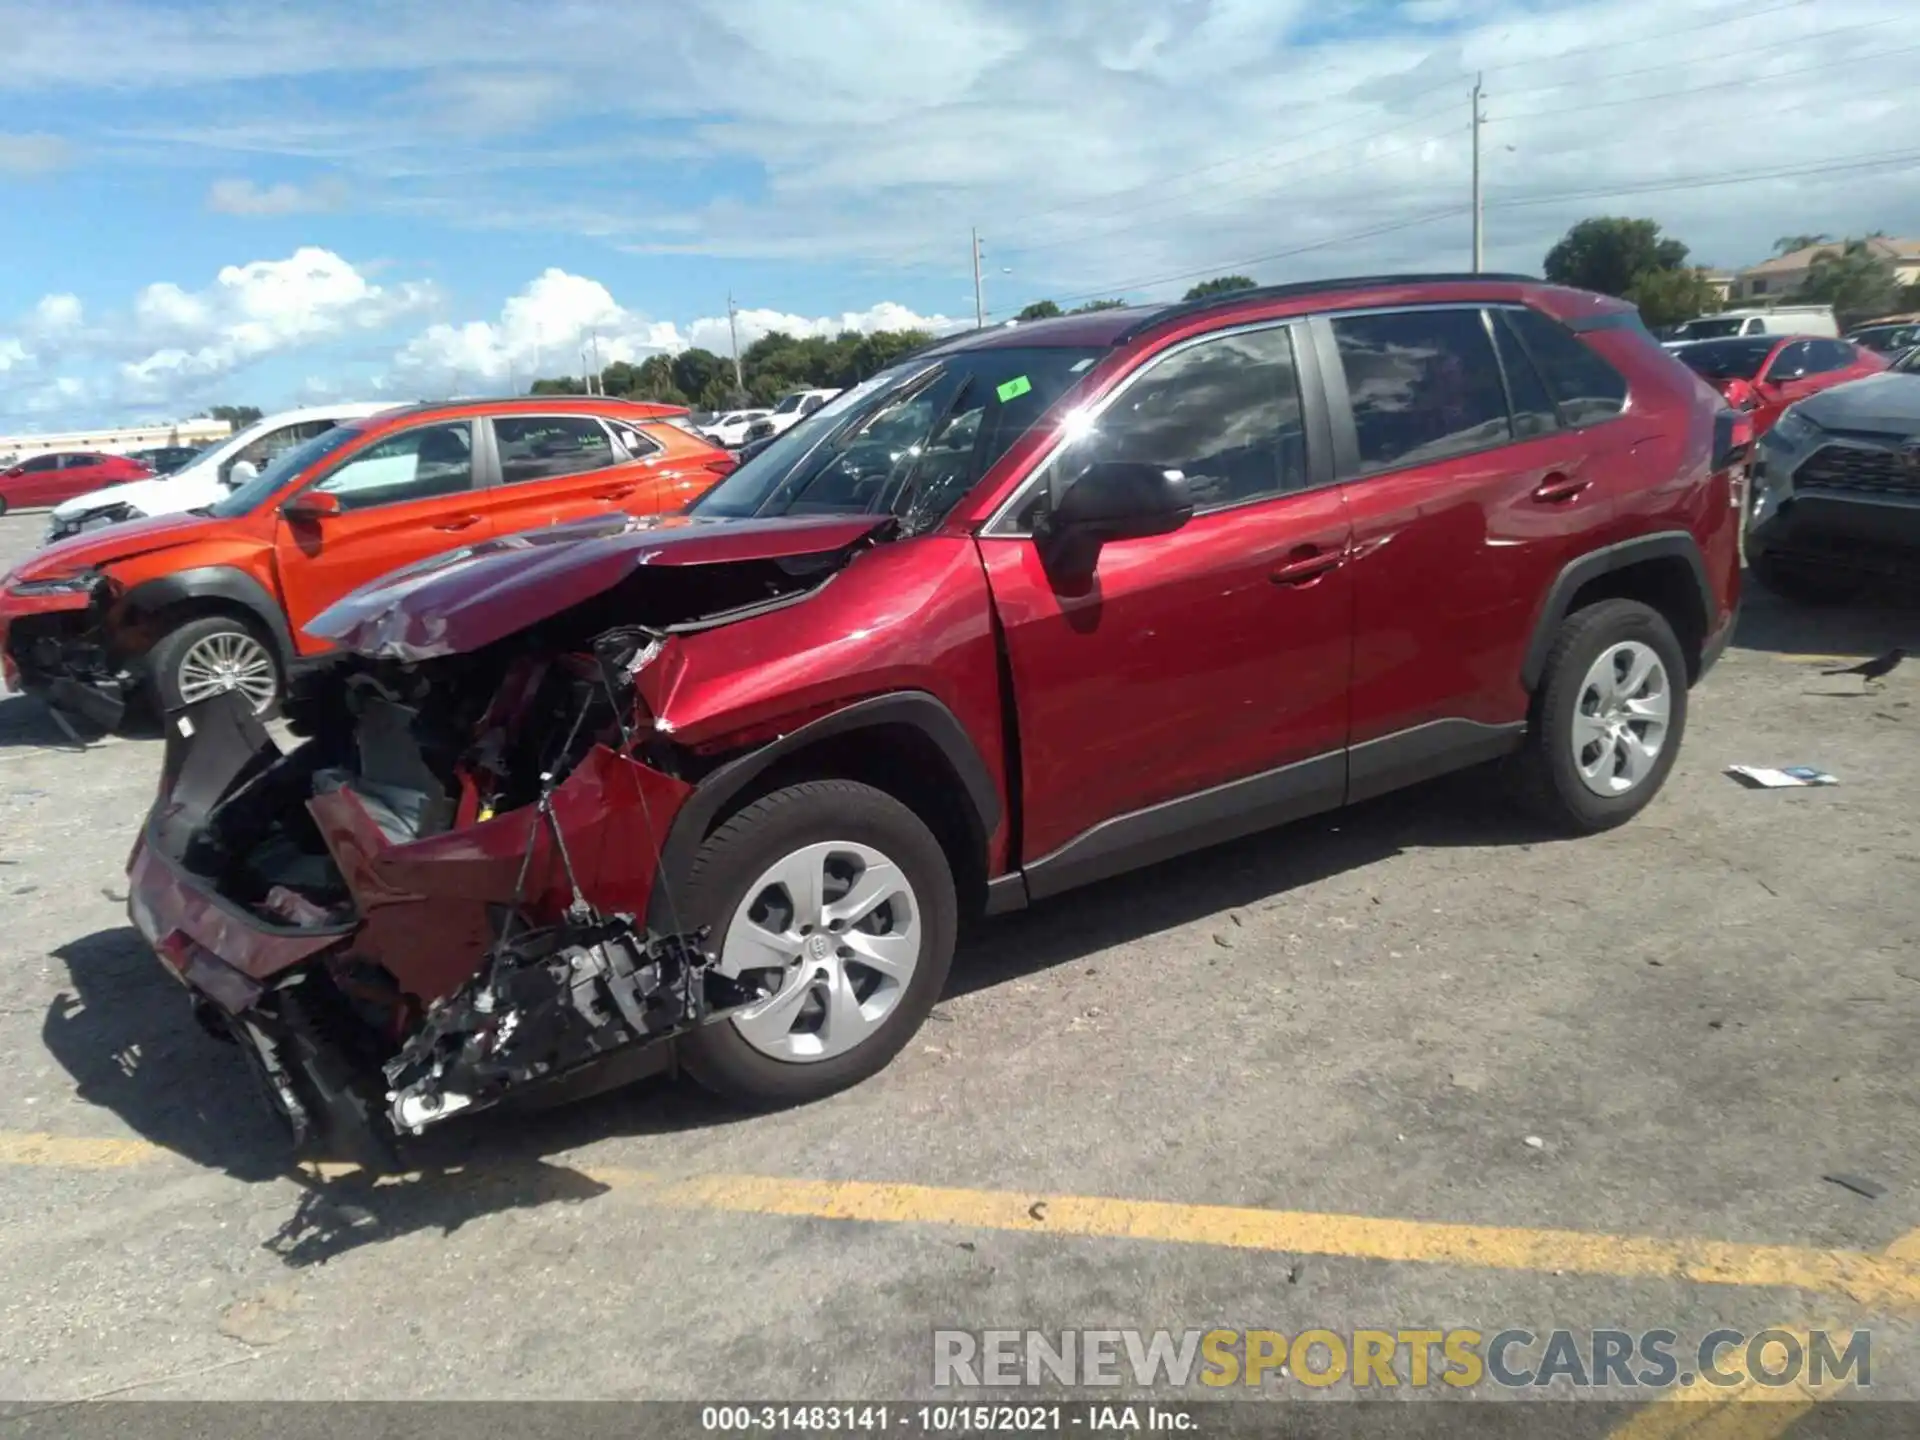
x=837 y=929
x=225 y=661
x=1620 y=721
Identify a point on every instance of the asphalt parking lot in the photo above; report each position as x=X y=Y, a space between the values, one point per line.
x=1349 y=1032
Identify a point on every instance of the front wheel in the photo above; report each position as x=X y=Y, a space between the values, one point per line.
x=210 y=656
x=839 y=900
x=1608 y=718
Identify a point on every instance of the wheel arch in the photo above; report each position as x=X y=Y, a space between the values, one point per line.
x=907 y=744
x=1665 y=571
x=214 y=590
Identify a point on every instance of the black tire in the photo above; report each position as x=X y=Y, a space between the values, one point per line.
x=1802 y=585
x=742 y=850
x=162 y=664
x=1545 y=779
x=3 y=504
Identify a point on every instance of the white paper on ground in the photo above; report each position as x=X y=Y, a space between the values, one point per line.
x=1767 y=778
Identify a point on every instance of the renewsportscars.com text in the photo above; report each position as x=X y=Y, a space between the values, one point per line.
x=1389 y=1359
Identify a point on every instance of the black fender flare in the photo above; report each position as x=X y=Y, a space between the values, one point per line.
x=217 y=582
x=1666 y=544
x=715 y=791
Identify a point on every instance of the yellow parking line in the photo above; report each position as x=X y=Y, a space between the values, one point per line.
x=1747 y=1411
x=1864 y=1278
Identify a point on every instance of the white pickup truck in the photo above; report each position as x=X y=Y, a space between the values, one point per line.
x=791 y=410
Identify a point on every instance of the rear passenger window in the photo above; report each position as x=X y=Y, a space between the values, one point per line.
x=546 y=447
x=1424 y=385
x=1532 y=406
x=1587 y=388
x=1224 y=412
x=1826 y=356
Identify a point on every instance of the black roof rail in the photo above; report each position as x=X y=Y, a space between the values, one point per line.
x=1297 y=288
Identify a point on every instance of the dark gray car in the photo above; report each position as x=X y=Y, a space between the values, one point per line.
x=1834 y=500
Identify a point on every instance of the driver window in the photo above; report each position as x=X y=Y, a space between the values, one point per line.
x=1789 y=362
x=1225 y=413
x=415 y=465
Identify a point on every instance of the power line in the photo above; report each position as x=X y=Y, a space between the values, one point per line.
x=1161 y=215
x=1871 y=160
x=1789 y=43
x=1158 y=207
x=1720 y=20
x=1448 y=110
x=1744 y=81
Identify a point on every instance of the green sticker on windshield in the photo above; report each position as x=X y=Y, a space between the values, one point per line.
x=1014 y=388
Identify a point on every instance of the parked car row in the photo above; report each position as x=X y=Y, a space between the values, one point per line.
x=1032 y=606
x=210 y=598
x=51 y=478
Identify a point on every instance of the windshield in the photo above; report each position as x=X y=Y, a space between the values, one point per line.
x=1728 y=359
x=1707 y=329
x=284 y=466
x=912 y=440
x=1908 y=362
x=1888 y=339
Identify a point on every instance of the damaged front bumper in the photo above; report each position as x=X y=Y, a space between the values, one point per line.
x=54 y=644
x=384 y=966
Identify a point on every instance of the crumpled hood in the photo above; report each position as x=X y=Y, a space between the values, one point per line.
x=110 y=545
x=1885 y=403
x=467 y=599
x=187 y=489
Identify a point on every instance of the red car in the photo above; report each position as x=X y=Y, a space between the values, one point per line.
x=1034 y=606
x=1764 y=374
x=49 y=479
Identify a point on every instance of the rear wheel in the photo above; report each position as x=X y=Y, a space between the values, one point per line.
x=1608 y=718
x=839 y=899
x=213 y=655
x=3 y=504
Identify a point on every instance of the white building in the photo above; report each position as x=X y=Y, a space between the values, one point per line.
x=116 y=441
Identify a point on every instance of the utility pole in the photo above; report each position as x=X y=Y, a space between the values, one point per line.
x=1478 y=121
x=979 y=295
x=739 y=384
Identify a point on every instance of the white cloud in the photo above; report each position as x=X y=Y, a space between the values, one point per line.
x=549 y=326
x=1096 y=141
x=33 y=154
x=173 y=344
x=244 y=197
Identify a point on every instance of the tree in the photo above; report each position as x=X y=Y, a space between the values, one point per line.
x=1787 y=244
x=1092 y=305
x=1855 y=279
x=1608 y=253
x=1039 y=310
x=1219 y=285
x=238 y=416
x=1666 y=297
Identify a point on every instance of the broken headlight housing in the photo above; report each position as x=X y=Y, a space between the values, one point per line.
x=58 y=585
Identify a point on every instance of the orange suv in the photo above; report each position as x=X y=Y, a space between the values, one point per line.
x=214 y=600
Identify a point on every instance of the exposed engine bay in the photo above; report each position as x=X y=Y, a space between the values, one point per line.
x=440 y=896
x=445 y=974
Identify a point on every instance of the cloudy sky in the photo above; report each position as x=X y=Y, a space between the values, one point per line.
x=258 y=202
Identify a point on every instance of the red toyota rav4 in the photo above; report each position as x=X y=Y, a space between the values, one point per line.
x=1039 y=604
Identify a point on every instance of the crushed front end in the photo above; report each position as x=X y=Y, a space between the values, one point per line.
x=437 y=898
x=54 y=637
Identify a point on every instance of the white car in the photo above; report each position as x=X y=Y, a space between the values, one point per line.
x=791 y=410
x=730 y=429
x=219 y=469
